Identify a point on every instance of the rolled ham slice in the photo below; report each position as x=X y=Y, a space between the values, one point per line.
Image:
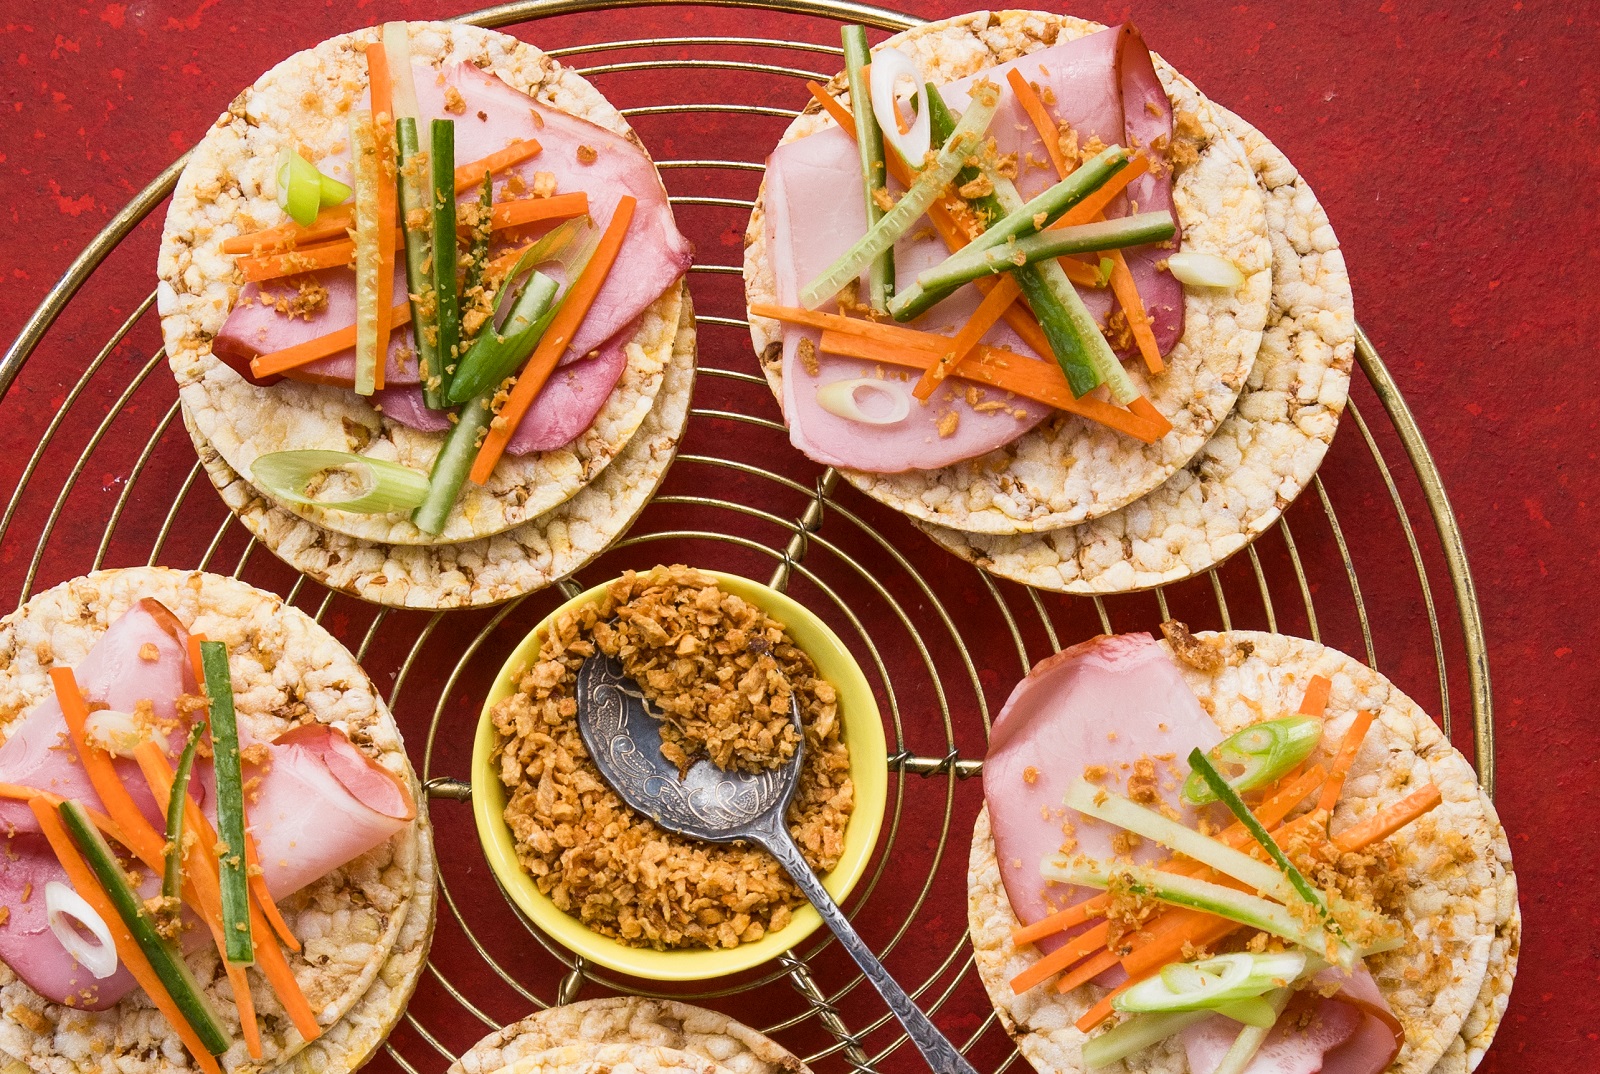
x=1115 y=703
x=1105 y=86
x=319 y=801
x=493 y=115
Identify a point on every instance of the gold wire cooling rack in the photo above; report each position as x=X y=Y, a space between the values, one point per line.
x=943 y=642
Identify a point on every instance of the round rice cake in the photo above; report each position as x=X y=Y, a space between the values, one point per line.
x=364 y=928
x=591 y=1058
x=1263 y=454
x=228 y=179
x=1076 y=469
x=1448 y=986
x=734 y=1048
x=490 y=570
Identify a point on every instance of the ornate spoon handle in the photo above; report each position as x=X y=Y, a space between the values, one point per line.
x=940 y=1054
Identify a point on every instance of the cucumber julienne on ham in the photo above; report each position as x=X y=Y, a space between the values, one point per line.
x=357 y=804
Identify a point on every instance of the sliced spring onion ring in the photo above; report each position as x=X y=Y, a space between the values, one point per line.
x=333 y=191
x=386 y=486
x=865 y=399
x=1255 y=1012
x=70 y=916
x=299 y=187
x=1264 y=750
x=889 y=68
x=1204 y=270
x=1212 y=983
x=118 y=733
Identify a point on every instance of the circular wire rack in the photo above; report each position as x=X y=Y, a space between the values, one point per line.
x=113 y=482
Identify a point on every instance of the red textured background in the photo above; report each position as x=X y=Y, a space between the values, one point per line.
x=1453 y=145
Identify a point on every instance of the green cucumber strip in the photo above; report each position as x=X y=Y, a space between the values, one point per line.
x=447 y=302
x=1186 y=891
x=1060 y=335
x=964 y=267
x=1095 y=350
x=1137 y=1034
x=869 y=142
x=167 y=963
x=414 y=207
x=1266 y=751
x=962 y=143
x=235 y=876
x=1085 y=797
x=1230 y=798
x=1248 y=1042
x=172 y=874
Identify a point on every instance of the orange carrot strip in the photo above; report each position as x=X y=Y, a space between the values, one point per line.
x=1042 y=122
x=265 y=365
x=1143 y=409
x=983 y=318
x=1087 y=971
x=1076 y=914
x=574 y=308
x=1341 y=761
x=388 y=196
x=1317 y=692
x=336 y=221
x=140 y=836
x=1080 y=946
x=87 y=885
x=1389 y=820
x=1127 y=292
x=106 y=825
x=1102 y=1010
x=521 y=211
x=205 y=894
x=258 y=881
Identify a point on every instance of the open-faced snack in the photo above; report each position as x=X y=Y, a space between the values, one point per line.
x=730 y=1046
x=136 y=927
x=1363 y=919
x=682 y=636
x=490 y=570
x=1263 y=454
x=456 y=390
x=1038 y=423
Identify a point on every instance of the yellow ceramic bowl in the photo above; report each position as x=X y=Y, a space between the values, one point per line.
x=863 y=733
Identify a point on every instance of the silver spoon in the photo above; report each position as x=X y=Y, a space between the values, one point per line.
x=720 y=806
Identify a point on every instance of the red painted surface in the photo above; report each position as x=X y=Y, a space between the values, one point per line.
x=1455 y=149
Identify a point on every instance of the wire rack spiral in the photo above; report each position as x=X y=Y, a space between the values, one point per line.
x=942 y=642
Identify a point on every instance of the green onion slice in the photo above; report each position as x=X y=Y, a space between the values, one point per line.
x=164 y=959
x=1264 y=751
x=172 y=874
x=1204 y=270
x=1212 y=983
x=386 y=487
x=235 y=874
x=300 y=187
x=1230 y=798
x=1250 y=1038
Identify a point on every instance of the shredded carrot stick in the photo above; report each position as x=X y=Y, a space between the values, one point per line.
x=1087 y=971
x=140 y=836
x=1061 y=920
x=1042 y=122
x=574 y=307
x=265 y=365
x=106 y=825
x=86 y=884
x=1143 y=409
x=388 y=198
x=334 y=222
x=1341 y=761
x=1386 y=822
x=1317 y=692
x=1127 y=292
x=1080 y=946
x=1102 y=1010
x=205 y=894
x=983 y=318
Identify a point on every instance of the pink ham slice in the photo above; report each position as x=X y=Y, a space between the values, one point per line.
x=1350 y=1032
x=1105 y=86
x=320 y=801
x=655 y=254
x=1108 y=702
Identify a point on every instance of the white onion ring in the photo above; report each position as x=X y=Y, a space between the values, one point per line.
x=889 y=66
x=1204 y=270
x=62 y=903
x=118 y=733
x=843 y=399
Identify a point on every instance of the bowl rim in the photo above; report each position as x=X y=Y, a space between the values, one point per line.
x=860 y=722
